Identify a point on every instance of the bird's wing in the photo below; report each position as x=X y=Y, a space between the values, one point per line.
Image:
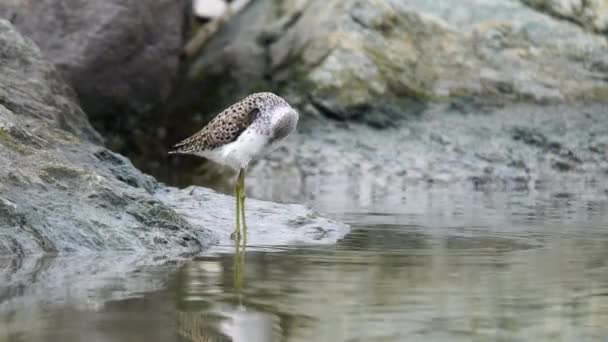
x=225 y=128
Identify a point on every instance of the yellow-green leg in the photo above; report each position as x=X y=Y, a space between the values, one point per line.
x=239 y=255
x=236 y=235
x=242 y=204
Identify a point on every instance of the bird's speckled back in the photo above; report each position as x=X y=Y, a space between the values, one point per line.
x=228 y=125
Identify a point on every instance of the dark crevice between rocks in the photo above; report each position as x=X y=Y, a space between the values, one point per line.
x=218 y=88
x=121 y=88
x=182 y=121
x=564 y=159
x=384 y=24
x=121 y=170
x=271 y=35
x=267 y=75
x=358 y=20
x=325 y=109
x=389 y=114
x=469 y=105
x=274 y=31
x=109 y=157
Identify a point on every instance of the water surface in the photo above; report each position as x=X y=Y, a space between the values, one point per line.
x=427 y=263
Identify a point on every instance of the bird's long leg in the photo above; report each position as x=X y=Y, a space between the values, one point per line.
x=242 y=205
x=236 y=235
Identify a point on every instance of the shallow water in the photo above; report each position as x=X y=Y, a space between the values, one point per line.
x=428 y=263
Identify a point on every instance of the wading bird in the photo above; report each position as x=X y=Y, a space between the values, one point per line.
x=241 y=133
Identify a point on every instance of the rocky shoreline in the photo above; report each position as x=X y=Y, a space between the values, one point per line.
x=403 y=70
x=61 y=192
x=491 y=94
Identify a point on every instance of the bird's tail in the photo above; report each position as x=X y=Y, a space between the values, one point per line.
x=181 y=147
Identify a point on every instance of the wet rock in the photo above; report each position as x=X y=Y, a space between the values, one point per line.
x=46 y=98
x=121 y=57
x=61 y=193
x=268 y=223
x=590 y=14
x=347 y=57
x=513 y=147
x=436 y=80
x=63 y=198
x=57 y=196
x=340 y=71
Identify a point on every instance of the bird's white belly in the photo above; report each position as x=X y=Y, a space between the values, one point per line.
x=237 y=154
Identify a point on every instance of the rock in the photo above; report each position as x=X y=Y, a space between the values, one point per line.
x=121 y=57
x=590 y=14
x=352 y=58
x=383 y=63
x=61 y=193
x=513 y=147
x=269 y=223
x=46 y=98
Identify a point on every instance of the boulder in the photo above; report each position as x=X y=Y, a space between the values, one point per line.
x=354 y=59
x=31 y=86
x=121 y=57
x=515 y=147
x=390 y=64
x=590 y=14
x=60 y=192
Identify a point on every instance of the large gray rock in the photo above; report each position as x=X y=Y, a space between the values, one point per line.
x=268 y=223
x=61 y=193
x=353 y=58
x=521 y=147
x=120 y=56
x=590 y=14
x=388 y=63
x=31 y=86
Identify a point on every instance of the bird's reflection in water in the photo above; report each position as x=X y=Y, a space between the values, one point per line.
x=200 y=327
x=227 y=320
x=244 y=323
x=238 y=269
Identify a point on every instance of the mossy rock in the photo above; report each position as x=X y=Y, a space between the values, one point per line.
x=9 y=142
